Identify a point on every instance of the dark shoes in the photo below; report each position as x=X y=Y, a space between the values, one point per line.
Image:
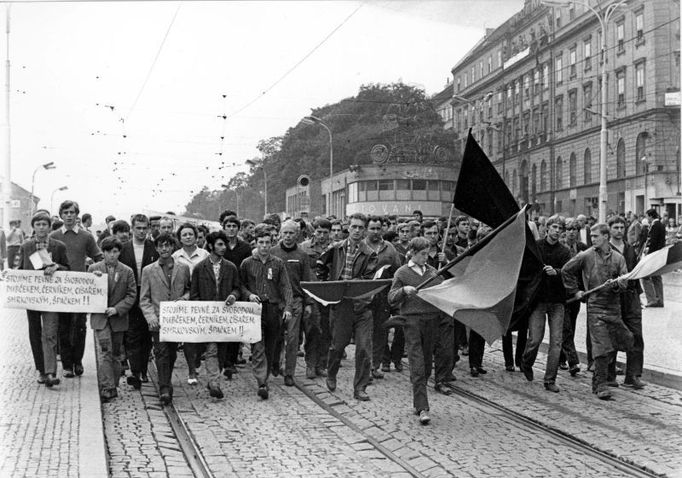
x=563 y=366
x=51 y=380
x=40 y=377
x=361 y=395
x=574 y=370
x=509 y=368
x=134 y=381
x=654 y=304
x=441 y=388
x=108 y=395
x=320 y=372
x=276 y=371
x=215 y=391
x=263 y=392
x=399 y=367
x=68 y=373
x=611 y=383
x=527 y=372
x=331 y=383
x=376 y=373
x=78 y=369
x=143 y=377
x=386 y=368
x=310 y=372
x=165 y=398
x=289 y=381
x=551 y=387
x=634 y=383
x=424 y=417
x=476 y=371
x=604 y=394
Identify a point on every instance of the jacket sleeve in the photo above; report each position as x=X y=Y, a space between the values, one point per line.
x=244 y=279
x=128 y=301
x=194 y=290
x=92 y=250
x=61 y=259
x=146 y=304
x=396 y=294
x=323 y=264
x=306 y=276
x=285 y=287
x=187 y=282
x=570 y=274
x=370 y=267
x=236 y=282
x=22 y=256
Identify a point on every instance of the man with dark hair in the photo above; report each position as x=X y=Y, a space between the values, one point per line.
x=163 y=280
x=462 y=227
x=336 y=230
x=202 y=232
x=388 y=259
x=551 y=297
x=109 y=221
x=418 y=215
x=347 y=260
x=631 y=310
x=597 y=265
x=154 y=226
x=264 y=280
x=225 y=214
x=80 y=245
x=121 y=231
x=403 y=241
x=215 y=279
x=14 y=240
x=653 y=286
x=86 y=222
x=298 y=269
x=43 y=326
x=138 y=254
x=110 y=326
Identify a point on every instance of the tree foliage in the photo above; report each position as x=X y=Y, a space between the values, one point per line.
x=379 y=114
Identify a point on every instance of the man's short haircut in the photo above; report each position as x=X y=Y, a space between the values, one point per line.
x=460 y=219
x=616 y=219
x=56 y=224
x=120 y=226
x=109 y=219
x=154 y=218
x=186 y=225
x=428 y=224
x=262 y=230
x=212 y=237
x=322 y=223
x=246 y=223
x=232 y=219
x=67 y=204
x=375 y=218
x=224 y=214
x=652 y=213
x=139 y=218
x=601 y=228
x=358 y=216
x=41 y=216
x=392 y=217
x=336 y=222
x=556 y=219
x=111 y=242
x=202 y=228
x=419 y=244
x=417 y=211
x=87 y=216
x=164 y=238
x=403 y=225
x=390 y=236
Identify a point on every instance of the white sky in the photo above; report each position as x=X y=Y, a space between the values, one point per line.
x=72 y=60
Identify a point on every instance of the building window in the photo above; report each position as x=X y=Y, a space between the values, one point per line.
x=447 y=190
x=545 y=76
x=490 y=141
x=499 y=58
x=489 y=101
x=517 y=91
x=362 y=191
x=466 y=117
x=500 y=102
x=639 y=80
x=466 y=79
x=587 y=102
x=559 y=68
x=526 y=125
x=639 y=26
x=559 y=112
x=490 y=64
x=640 y=153
x=572 y=107
x=536 y=121
x=419 y=189
x=587 y=166
x=572 y=61
x=558 y=17
x=571 y=12
x=473 y=75
x=534 y=181
x=559 y=176
x=572 y=171
x=433 y=191
x=620 y=36
x=545 y=119
x=620 y=159
x=402 y=190
x=372 y=191
x=536 y=82
x=459 y=86
x=543 y=176
x=620 y=88
x=386 y=192
x=587 y=53
x=480 y=69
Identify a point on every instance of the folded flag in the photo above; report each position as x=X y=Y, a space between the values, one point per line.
x=482 y=293
x=657 y=263
x=332 y=292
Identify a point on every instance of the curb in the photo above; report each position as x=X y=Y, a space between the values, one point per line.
x=92 y=451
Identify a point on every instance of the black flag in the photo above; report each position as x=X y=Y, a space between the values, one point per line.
x=482 y=194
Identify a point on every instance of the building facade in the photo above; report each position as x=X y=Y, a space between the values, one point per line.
x=530 y=91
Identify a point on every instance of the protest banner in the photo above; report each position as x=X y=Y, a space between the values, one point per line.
x=207 y=321
x=64 y=291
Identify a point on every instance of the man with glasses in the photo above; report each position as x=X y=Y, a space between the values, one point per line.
x=551 y=297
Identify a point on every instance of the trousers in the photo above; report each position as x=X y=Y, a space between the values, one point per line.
x=536 y=332
x=108 y=348
x=263 y=352
x=165 y=354
x=138 y=341
x=72 y=331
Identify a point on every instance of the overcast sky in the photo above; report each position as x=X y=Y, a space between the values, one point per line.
x=127 y=98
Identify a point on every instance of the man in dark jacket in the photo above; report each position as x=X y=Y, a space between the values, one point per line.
x=631 y=310
x=347 y=260
x=138 y=254
x=653 y=286
x=215 y=279
x=551 y=298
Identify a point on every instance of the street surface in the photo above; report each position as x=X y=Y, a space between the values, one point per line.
x=518 y=429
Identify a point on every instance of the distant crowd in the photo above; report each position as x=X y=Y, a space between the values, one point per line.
x=149 y=260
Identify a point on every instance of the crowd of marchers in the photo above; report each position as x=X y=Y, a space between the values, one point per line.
x=148 y=260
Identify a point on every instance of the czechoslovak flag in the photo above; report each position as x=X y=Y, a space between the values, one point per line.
x=657 y=263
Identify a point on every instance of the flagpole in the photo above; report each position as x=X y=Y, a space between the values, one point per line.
x=473 y=249
x=447 y=229
x=595 y=289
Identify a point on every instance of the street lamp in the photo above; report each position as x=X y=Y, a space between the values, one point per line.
x=63 y=188
x=315 y=120
x=49 y=165
x=603 y=17
x=260 y=163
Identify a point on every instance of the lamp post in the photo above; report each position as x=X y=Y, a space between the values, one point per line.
x=63 y=188
x=260 y=163
x=315 y=120
x=49 y=165
x=603 y=16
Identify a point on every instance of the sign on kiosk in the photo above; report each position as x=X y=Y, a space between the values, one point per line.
x=203 y=321
x=64 y=291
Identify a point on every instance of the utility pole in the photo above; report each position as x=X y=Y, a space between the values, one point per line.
x=7 y=166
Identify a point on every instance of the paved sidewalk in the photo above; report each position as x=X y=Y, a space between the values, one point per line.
x=47 y=432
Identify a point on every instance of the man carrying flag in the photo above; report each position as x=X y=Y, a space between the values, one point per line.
x=598 y=265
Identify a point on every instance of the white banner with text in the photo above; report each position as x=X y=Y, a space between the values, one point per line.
x=199 y=321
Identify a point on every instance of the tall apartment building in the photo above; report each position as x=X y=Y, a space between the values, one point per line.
x=530 y=91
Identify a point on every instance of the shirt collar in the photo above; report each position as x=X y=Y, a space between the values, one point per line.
x=75 y=229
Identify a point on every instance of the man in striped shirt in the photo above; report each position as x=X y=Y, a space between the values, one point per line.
x=264 y=280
